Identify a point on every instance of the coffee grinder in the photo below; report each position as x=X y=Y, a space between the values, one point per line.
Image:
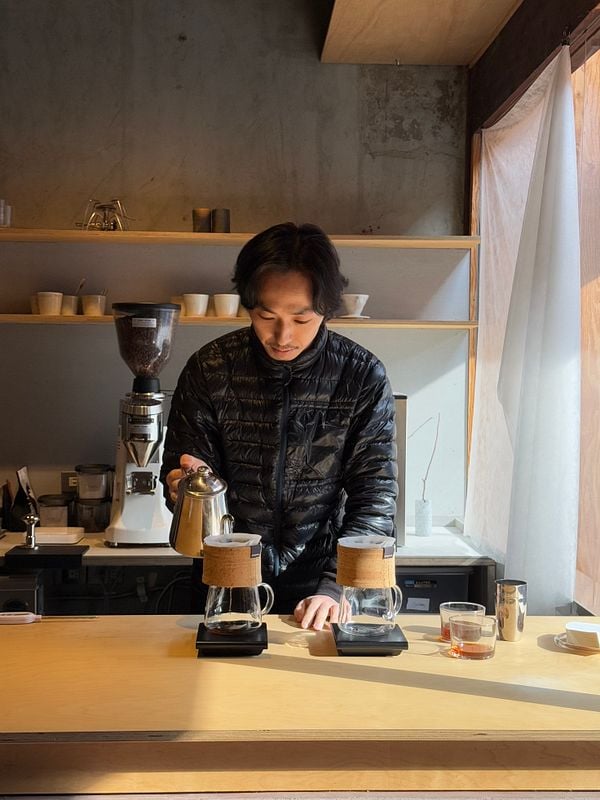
x=139 y=515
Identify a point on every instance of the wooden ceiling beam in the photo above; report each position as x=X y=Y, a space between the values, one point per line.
x=519 y=53
x=449 y=32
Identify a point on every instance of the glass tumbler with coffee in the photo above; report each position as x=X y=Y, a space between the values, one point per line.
x=447 y=610
x=472 y=636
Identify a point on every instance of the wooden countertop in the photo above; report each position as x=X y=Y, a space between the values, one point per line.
x=118 y=704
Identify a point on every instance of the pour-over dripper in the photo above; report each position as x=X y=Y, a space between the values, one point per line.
x=145 y=334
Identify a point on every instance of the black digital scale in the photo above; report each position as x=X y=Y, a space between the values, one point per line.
x=249 y=643
x=45 y=556
x=252 y=643
x=390 y=644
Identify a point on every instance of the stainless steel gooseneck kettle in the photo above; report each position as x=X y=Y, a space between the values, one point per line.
x=200 y=511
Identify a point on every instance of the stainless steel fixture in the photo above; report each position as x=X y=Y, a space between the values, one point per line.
x=200 y=511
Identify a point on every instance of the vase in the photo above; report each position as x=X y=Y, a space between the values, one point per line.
x=422 y=518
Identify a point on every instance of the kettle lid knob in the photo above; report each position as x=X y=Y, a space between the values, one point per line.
x=203 y=482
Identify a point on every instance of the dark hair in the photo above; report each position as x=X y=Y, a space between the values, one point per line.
x=291 y=248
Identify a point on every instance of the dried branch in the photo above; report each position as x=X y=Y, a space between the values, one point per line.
x=437 y=431
x=424 y=480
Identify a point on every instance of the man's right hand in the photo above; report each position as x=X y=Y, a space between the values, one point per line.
x=185 y=462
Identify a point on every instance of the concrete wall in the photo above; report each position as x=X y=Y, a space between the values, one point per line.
x=170 y=104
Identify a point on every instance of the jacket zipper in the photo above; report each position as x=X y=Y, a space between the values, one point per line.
x=283 y=436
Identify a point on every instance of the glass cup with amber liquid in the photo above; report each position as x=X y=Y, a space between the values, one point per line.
x=450 y=609
x=472 y=636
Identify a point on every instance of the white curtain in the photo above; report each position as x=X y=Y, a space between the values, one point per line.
x=523 y=481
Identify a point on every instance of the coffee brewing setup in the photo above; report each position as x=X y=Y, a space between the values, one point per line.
x=231 y=567
x=233 y=623
x=370 y=599
x=139 y=515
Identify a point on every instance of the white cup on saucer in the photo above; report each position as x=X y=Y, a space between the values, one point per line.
x=354 y=304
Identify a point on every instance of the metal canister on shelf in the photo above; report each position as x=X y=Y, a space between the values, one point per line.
x=93 y=481
x=54 y=510
x=92 y=515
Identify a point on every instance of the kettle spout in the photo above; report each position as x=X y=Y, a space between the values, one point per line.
x=227 y=525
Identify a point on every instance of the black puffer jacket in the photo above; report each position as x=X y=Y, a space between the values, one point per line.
x=306 y=446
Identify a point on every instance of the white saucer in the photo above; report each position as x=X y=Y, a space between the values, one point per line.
x=561 y=641
x=354 y=316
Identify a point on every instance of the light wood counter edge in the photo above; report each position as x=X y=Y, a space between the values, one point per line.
x=320 y=735
x=94 y=768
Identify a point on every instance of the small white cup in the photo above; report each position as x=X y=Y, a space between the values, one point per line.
x=354 y=304
x=5 y=215
x=49 y=303
x=93 y=305
x=195 y=305
x=226 y=305
x=69 y=305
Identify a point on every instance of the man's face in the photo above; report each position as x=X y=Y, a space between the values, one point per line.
x=284 y=319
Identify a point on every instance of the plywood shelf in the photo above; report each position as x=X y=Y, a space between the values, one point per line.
x=32 y=235
x=37 y=319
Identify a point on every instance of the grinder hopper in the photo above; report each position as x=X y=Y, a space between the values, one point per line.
x=145 y=335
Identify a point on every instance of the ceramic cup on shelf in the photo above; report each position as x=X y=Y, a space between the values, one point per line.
x=5 y=214
x=195 y=304
x=226 y=305
x=201 y=220
x=69 y=305
x=354 y=304
x=49 y=303
x=93 y=305
x=220 y=220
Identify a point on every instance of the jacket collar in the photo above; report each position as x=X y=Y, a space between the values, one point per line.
x=306 y=358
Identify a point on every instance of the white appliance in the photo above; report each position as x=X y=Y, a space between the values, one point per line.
x=139 y=515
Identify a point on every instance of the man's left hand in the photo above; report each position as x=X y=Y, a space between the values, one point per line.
x=315 y=611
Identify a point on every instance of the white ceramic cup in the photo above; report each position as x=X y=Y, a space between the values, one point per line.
x=354 y=303
x=69 y=305
x=195 y=305
x=49 y=303
x=93 y=304
x=226 y=305
x=5 y=215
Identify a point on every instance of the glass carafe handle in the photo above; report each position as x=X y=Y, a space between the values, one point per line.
x=270 y=597
x=397 y=595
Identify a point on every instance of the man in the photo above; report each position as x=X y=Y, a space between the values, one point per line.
x=297 y=419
